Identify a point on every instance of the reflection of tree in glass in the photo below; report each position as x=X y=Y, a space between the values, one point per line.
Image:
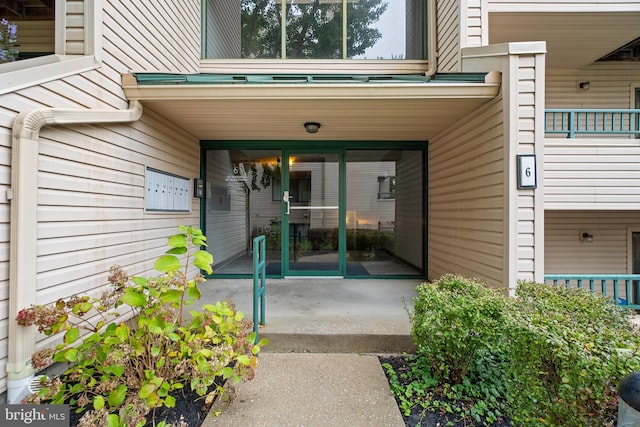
x=314 y=28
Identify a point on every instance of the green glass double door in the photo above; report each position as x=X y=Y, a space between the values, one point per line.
x=312 y=208
x=352 y=212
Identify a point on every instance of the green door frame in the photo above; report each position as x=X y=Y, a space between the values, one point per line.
x=325 y=146
x=342 y=223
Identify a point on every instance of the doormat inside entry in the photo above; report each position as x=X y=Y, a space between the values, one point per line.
x=353 y=268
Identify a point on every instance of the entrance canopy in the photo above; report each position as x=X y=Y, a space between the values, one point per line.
x=275 y=107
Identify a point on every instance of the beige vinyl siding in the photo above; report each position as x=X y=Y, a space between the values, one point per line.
x=466 y=197
x=592 y=171
x=75 y=28
x=448 y=35
x=36 y=36
x=606 y=254
x=525 y=107
x=229 y=226
x=91 y=180
x=474 y=19
x=592 y=174
x=611 y=86
x=158 y=36
x=410 y=208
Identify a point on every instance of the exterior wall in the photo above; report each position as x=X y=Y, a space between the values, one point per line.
x=91 y=182
x=600 y=174
x=448 y=35
x=466 y=197
x=606 y=254
x=74 y=26
x=230 y=225
x=460 y=23
x=612 y=86
x=591 y=171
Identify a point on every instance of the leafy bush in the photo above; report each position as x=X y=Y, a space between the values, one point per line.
x=119 y=373
x=569 y=349
x=454 y=319
x=549 y=357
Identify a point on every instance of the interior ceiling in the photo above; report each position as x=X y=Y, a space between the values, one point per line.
x=574 y=40
x=340 y=119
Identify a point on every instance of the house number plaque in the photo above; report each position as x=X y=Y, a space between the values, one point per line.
x=527 y=177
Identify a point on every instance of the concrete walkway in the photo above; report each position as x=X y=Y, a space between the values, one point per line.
x=320 y=367
x=297 y=389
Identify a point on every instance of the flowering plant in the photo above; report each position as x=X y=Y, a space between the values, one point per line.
x=8 y=40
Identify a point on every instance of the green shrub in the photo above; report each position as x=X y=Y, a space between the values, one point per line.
x=569 y=349
x=454 y=319
x=120 y=373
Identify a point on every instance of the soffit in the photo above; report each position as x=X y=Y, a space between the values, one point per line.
x=574 y=39
x=398 y=111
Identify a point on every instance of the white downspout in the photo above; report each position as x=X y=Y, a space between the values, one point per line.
x=24 y=222
x=432 y=43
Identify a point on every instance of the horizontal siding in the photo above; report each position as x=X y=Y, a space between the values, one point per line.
x=159 y=36
x=466 y=197
x=592 y=174
x=448 y=35
x=91 y=183
x=611 y=86
x=35 y=36
x=606 y=254
x=74 y=28
x=227 y=230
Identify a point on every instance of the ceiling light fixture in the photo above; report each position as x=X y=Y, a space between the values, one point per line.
x=312 y=127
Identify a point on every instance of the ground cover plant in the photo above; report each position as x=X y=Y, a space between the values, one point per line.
x=548 y=357
x=121 y=373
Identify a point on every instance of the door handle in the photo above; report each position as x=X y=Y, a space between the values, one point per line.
x=285 y=198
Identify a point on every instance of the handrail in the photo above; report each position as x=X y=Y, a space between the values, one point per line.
x=259 y=276
x=605 y=284
x=592 y=121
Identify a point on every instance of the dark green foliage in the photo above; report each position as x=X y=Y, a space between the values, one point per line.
x=454 y=319
x=569 y=350
x=549 y=357
x=314 y=28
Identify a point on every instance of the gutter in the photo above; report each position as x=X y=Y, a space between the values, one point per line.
x=24 y=223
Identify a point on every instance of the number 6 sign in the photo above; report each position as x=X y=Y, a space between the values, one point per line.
x=527 y=171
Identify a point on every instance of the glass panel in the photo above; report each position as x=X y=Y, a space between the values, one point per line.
x=315 y=29
x=239 y=206
x=313 y=219
x=384 y=212
x=385 y=29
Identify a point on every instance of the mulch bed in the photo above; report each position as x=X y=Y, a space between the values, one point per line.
x=422 y=418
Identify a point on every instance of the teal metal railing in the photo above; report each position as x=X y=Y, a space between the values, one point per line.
x=591 y=121
x=259 y=278
x=623 y=288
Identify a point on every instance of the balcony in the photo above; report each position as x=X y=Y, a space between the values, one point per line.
x=624 y=289
x=581 y=122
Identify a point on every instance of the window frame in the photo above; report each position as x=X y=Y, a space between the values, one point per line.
x=58 y=65
x=344 y=59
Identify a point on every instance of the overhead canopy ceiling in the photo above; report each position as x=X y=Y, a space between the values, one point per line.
x=574 y=39
x=391 y=112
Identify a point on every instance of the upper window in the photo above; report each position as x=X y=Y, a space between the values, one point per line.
x=27 y=29
x=314 y=29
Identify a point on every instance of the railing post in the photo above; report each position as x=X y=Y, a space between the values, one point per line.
x=259 y=270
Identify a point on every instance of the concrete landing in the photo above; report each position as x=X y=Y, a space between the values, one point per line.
x=326 y=315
